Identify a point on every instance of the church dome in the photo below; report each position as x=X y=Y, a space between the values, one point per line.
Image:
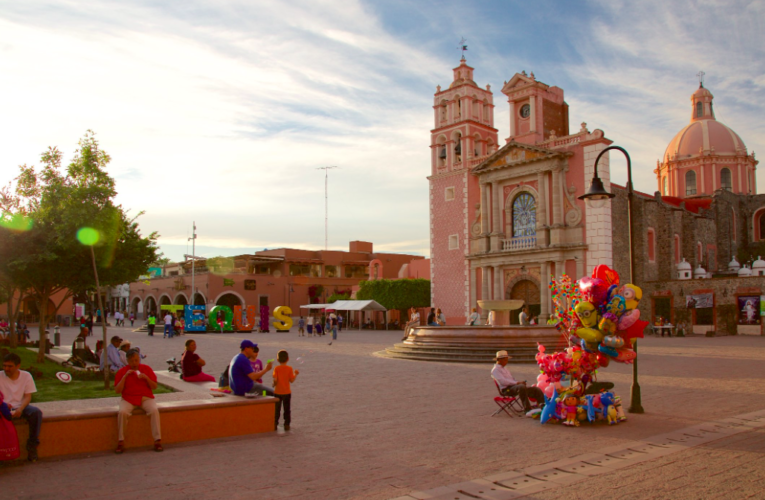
x=704 y=133
x=707 y=135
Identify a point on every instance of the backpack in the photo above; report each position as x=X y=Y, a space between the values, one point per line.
x=223 y=380
x=77 y=361
x=9 y=439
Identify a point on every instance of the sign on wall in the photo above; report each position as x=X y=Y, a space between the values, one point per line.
x=749 y=310
x=250 y=284
x=194 y=317
x=699 y=301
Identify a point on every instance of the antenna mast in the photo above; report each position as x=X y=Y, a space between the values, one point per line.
x=326 y=204
x=193 y=258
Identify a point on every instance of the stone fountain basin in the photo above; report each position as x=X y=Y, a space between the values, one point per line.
x=500 y=305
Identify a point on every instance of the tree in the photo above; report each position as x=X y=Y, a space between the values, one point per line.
x=396 y=294
x=65 y=209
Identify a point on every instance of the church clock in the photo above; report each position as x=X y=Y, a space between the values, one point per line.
x=525 y=111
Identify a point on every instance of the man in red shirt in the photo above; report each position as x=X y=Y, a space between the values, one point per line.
x=136 y=382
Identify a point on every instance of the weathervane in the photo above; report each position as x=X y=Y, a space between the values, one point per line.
x=701 y=74
x=462 y=46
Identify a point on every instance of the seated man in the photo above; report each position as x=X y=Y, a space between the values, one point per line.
x=510 y=387
x=135 y=382
x=17 y=387
x=112 y=354
x=241 y=376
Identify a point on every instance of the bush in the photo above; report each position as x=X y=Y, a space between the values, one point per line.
x=396 y=294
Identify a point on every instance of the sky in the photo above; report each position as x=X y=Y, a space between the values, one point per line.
x=224 y=112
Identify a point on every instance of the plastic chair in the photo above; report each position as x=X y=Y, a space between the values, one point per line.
x=509 y=404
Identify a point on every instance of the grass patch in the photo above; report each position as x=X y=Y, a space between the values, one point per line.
x=82 y=386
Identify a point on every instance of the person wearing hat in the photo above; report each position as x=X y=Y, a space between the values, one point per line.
x=124 y=348
x=112 y=353
x=511 y=387
x=241 y=376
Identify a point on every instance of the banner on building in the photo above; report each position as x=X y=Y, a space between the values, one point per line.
x=700 y=301
x=228 y=282
x=250 y=284
x=749 y=310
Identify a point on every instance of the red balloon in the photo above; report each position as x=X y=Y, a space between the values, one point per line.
x=634 y=332
x=605 y=273
x=603 y=360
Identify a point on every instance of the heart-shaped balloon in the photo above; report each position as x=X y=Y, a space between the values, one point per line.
x=628 y=319
x=606 y=274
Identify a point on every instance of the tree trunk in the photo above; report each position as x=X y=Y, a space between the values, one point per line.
x=42 y=306
x=14 y=341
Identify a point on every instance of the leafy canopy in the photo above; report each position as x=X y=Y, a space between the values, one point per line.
x=396 y=294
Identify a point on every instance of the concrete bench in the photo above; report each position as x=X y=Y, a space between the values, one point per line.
x=95 y=430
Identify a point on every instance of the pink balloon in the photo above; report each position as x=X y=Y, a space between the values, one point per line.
x=628 y=319
x=594 y=290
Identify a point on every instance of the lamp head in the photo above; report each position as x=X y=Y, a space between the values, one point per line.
x=596 y=196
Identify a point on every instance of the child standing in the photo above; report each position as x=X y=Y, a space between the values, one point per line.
x=301 y=327
x=283 y=377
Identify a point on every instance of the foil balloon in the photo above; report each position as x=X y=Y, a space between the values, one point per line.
x=587 y=314
x=605 y=273
x=590 y=335
x=613 y=341
x=632 y=295
x=593 y=290
x=628 y=319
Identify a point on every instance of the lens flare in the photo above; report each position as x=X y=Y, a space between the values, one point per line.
x=17 y=223
x=88 y=236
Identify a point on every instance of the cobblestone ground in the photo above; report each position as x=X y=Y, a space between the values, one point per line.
x=370 y=427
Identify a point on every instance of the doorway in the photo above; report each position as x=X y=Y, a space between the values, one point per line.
x=528 y=292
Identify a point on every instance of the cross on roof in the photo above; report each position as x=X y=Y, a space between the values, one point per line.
x=701 y=74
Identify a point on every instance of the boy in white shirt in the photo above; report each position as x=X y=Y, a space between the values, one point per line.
x=17 y=387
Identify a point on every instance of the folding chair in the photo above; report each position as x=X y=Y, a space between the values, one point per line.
x=505 y=403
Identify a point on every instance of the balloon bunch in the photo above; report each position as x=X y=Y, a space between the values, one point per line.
x=600 y=318
x=609 y=316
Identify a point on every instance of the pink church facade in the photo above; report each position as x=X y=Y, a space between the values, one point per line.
x=502 y=221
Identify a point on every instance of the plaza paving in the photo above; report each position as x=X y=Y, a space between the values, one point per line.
x=371 y=427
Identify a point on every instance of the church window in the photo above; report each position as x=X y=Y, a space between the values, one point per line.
x=677 y=249
x=449 y=194
x=762 y=226
x=725 y=179
x=524 y=215
x=525 y=111
x=699 y=109
x=454 y=242
x=690 y=183
x=651 y=245
x=699 y=253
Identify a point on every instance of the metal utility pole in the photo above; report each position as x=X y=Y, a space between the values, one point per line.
x=326 y=204
x=193 y=258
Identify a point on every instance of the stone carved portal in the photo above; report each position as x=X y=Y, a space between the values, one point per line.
x=527 y=291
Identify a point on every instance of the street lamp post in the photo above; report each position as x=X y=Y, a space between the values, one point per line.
x=596 y=197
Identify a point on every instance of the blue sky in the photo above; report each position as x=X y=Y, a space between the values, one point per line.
x=221 y=112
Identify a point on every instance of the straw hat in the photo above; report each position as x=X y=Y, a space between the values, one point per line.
x=502 y=354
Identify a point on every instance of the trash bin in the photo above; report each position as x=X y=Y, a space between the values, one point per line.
x=57 y=336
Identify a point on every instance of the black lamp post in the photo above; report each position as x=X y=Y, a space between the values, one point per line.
x=596 y=197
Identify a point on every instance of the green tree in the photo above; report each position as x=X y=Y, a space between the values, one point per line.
x=396 y=294
x=59 y=204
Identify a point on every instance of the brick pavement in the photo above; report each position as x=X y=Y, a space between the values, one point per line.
x=369 y=427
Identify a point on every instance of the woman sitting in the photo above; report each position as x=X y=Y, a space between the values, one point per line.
x=81 y=350
x=191 y=365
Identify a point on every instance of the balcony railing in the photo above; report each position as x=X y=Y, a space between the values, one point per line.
x=519 y=243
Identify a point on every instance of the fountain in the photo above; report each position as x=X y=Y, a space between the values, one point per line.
x=478 y=343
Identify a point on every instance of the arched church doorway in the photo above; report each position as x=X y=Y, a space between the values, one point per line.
x=528 y=292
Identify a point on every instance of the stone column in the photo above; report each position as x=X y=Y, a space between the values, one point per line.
x=499 y=284
x=496 y=206
x=485 y=287
x=579 y=268
x=512 y=119
x=544 y=314
x=485 y=209
x=473 y=291
x=557 y=206
x=541 y=204
x=560 y=268
x=533 y=115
